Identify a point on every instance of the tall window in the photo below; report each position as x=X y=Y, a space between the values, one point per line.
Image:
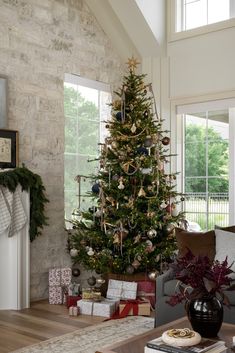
x=205 y=141
x=86 y=109
x=196 y=13
x=206 y=168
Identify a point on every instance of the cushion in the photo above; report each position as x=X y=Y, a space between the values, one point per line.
x=225 y=246
x=228 y=229
x=199 y=243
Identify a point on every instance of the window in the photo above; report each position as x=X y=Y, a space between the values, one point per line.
x=196 y=13
x=205 y=136
x=86 y=109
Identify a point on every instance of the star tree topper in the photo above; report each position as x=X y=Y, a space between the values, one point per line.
x=132 y=63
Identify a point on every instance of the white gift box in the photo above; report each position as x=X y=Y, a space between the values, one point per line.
x=121 y=290
x=105 y=308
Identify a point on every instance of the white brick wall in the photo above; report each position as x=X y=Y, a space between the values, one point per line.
x=39 y=42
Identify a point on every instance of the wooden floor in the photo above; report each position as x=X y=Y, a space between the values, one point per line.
x=39 y=323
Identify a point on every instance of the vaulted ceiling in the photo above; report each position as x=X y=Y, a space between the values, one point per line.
x=135 y=27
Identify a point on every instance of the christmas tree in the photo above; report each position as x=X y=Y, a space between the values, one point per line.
x=130 y=227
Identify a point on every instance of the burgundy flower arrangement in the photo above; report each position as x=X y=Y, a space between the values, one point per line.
x=199 y=277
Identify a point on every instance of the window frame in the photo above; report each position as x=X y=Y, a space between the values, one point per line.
x=177 y=141
x=172 y=35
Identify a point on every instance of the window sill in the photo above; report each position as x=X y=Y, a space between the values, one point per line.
x=213 y=27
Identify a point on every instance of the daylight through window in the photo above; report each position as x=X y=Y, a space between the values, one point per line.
x=86 y=109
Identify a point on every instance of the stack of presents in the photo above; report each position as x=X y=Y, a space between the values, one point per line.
x=122 y=298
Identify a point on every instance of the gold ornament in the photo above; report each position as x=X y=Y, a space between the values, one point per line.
x=141 y=193
x=117 y=104
x=132 y=63
x=133 y=128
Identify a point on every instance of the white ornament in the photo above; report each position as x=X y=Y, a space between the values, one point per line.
x=146 y=170
x=163 y=205
x=73 y=252
x=90 y=252
x=121 y=185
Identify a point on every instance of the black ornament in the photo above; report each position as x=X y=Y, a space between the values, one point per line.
x=95 y=188
x=142 y=150
x=91 y=281
x=146 y=114
x=76 y=272
x=119 y=116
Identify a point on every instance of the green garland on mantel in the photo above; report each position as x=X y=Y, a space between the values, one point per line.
x=32 y=183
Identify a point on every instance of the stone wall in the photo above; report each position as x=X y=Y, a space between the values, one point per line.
x=39 y=42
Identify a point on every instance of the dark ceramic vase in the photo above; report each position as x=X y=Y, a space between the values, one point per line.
x=205 y=315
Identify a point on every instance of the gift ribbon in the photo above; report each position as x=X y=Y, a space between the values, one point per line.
x=130 y=305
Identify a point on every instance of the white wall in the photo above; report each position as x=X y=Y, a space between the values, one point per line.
x=202 y=64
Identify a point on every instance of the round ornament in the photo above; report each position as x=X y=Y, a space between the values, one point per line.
x=91 y=281
x=73 y=252
x=142 y=150
x=115 y=177
x=146 y=114
x=152 y=233
x=153 y=275
x=119 y=116
x=95 y=188
x=168 y=229
x=130 y=269
x=148 y=141
x=166 y=140
x=181 y=337
x=76 y=272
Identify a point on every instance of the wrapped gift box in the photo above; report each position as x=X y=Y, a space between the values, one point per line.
x=55 y=295
x=135 y=307
x=105 y=308
x=60 y=276
x=71 y=300
x=59 y=280
x=121 y=290
x=147 y=290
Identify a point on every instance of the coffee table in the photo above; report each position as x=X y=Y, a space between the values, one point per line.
x=136 y=344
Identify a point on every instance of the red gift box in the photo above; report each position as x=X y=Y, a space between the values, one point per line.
x=134 y=307
x=147 y=290
x=71 y=300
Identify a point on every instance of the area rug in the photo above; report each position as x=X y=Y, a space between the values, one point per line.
x=93 y=338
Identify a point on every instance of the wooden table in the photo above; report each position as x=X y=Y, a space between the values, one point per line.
x=136 y=344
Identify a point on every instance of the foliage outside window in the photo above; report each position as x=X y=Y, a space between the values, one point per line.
x=206 y=168
x=85 y=102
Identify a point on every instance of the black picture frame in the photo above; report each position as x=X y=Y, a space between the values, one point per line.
x=9 y=145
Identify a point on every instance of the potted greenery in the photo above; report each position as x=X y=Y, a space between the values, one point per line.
x=201 y=283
